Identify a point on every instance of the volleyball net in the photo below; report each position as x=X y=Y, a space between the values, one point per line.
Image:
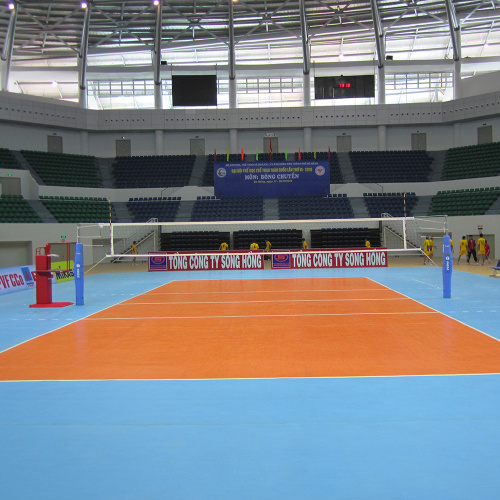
x=398 y=235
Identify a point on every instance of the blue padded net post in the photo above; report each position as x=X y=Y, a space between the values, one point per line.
x=78 y=272
x=447 y=267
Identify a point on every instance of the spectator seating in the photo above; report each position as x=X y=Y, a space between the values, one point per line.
x=482 y=160
x=350 y=237
x=280 y=238
x=390 y=203
x=226 y=209
x=8 y=160
x=14 y=208
x=336 y=176
x=193 y=240
x=58 y=169
x=79 y=209
x=164 y=209
x=314 y=207
x=463 y=201
x=152 y=171
x=391 y=166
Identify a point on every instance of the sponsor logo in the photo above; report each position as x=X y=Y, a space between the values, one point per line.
x=157 y=262
x=221 y=172
x=319 y=170
x=28 y=277
x=281 y=261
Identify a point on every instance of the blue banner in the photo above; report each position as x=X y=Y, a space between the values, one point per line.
x=272 y=179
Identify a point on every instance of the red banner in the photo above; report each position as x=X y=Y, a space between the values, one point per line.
x=216 y=261
x=320 y=259
x=234 y=260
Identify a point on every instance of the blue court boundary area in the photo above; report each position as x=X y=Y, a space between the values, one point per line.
x=350 y=438
x=428 y=437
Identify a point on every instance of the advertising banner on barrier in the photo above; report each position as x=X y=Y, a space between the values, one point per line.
x=226 y=261
x=311 y=259
x=230 y=261
x=272 y=179
x=15 y=279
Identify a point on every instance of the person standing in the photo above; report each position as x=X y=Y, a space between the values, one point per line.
x=367 y=243
x=223 y=246
x=471 y=250
x=463 y=249
x=305 y=246
x=254 y=246
x=134 y=253
x=487 y=251
x=481 y=242
x=427 y=246
x=431 y=248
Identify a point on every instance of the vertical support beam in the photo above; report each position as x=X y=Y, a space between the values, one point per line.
x=308 y=139
x=457 y=46
x=8 y=48
x=84 y=142
x=233 y=140
x=157 y=55
x=380 y=44
x=159 y=142
x=382 y=137
x=306 y=57
x=457 y=135
x=82 y=58
x=231 y=58
x=381 y=85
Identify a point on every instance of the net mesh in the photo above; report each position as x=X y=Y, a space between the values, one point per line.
x=396 y=234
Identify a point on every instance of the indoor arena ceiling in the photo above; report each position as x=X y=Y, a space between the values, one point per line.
x=49 y=33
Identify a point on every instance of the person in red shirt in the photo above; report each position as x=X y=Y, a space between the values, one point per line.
x=471 y=250
x=487 y=251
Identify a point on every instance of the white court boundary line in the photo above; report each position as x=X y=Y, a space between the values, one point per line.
x=142 y=318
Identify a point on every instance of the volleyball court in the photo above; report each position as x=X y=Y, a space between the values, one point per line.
x=257 y=328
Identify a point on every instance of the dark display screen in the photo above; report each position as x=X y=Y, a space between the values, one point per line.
x=194 y=90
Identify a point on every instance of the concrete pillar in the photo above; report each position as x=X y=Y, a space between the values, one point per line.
x=382 y=137
x=381 y=85
x=84 y=142
x=233 y=140
x=306 y=89
x=232 y=93
x=457 y=132
x=159 y=142
x=457 y=81
x=308 y=139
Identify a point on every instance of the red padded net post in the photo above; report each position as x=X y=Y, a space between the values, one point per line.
x=44 y=277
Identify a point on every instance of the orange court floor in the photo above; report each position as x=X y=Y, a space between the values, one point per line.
x=237 y=328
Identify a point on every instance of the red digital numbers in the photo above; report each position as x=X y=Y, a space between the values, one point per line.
x=344 y=85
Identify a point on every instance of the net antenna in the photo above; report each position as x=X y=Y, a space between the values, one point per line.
x=400 y=235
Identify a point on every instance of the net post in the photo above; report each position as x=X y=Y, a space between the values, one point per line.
x=78 y=273
x=447 y=266
x=405 y=244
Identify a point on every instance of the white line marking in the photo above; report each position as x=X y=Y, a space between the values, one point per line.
x=264 y=316
x=256 y=301
x=214 y=292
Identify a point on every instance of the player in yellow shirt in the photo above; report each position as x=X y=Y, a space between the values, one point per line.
x=463 y=249
x=367 y=244
x=223 y=246
x=254 y=246
x=268 y=246
x=134 y=253
x=482 y=247
x=305 y=246
x=427 y=251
